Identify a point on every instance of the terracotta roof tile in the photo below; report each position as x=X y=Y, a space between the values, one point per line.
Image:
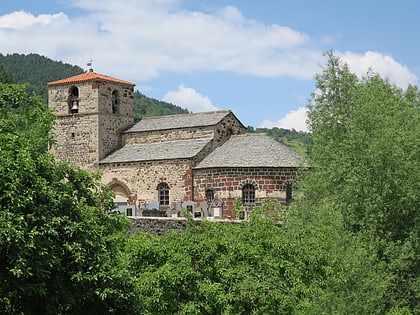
x=89 y=76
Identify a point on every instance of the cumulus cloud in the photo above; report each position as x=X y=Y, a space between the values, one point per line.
x=385 y=65
x=140 y=39
x=23 y=20
x=295 y=119
x=189 y=98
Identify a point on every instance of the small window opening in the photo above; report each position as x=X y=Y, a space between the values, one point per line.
x=209 y=195
x=289 y=196
x=115 y=102
x=163 y=194
x=248 y=194
x=73 y=100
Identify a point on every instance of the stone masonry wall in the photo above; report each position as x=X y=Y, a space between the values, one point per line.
x=220 y=133
x=142 y=178
x=89 y=135
x=158 y=226
x=227 y=183
x=77 y=139
x=230 y=125
x=111 y=124
x=168 y=135
x=110 y=129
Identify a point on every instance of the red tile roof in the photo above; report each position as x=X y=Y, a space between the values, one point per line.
x=89 y=76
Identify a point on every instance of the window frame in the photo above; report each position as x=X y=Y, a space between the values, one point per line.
x=248 y=194
x=209 y=193
x=163 y=194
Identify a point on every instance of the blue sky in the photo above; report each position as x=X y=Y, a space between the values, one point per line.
x=257 y=58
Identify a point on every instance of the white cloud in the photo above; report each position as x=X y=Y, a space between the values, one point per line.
x=385 y=65
x=21 y=20
x=189 y=98
x=295 y=119
x=140 y=39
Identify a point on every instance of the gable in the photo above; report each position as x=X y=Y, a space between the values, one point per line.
x=179 y=121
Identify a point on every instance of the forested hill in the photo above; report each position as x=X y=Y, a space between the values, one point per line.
x=296 y=140
x=39 y=70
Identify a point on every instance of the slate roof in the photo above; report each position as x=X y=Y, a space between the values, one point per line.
x=179 y=149
x=179 y=121
x=252 y=150
x=89 y=76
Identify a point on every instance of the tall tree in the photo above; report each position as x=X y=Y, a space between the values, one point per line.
x=5 y=75
x=59 y=253
x=366 y=155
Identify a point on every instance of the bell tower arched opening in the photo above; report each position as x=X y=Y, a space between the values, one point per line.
x=73 y=100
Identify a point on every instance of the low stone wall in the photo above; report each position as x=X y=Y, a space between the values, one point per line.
x=157 y=226
x=160 y=225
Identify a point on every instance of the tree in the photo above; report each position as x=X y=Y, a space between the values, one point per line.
x=366 y=154
x=25 y=116
x=5 y=75
x=223 y=268
x=60 y=251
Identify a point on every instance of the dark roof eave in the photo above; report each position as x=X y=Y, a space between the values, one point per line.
x=140 y=161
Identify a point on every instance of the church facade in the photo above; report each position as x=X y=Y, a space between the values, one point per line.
x=158 y=166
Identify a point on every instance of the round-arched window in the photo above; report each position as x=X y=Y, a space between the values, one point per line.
x=73 y=100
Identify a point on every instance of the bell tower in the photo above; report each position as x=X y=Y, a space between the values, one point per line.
x=91 y=111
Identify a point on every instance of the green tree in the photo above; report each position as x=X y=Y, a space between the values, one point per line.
x=223 y=268
x=5 y=75
x=59 y=250
x=25 y=116
x=366 y=154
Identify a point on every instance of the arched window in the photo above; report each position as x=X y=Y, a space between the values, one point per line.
x=73 y=100
x=209 y=195
x=163 y=194
x=248 y=194
x=115 y=102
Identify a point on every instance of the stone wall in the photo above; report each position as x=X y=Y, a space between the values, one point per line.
x=220 y=133
x=227 y=184
x=142 y=178
x=110 y=128
x=158 y=226
x=168 y=135
x=86 y=137
x=77 y=139
x=230 y=125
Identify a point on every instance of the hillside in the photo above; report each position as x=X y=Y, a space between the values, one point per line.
x=39 y=70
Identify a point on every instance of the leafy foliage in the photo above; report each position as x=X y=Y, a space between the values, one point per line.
x=59 y=249
x=25 y=116
x=221 y=268
x=365 y=147
x=5 y=75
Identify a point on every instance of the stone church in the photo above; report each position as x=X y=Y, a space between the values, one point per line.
x=158 y=166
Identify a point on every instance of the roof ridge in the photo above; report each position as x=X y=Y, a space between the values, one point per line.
x=187 y=114
x=88 y=76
